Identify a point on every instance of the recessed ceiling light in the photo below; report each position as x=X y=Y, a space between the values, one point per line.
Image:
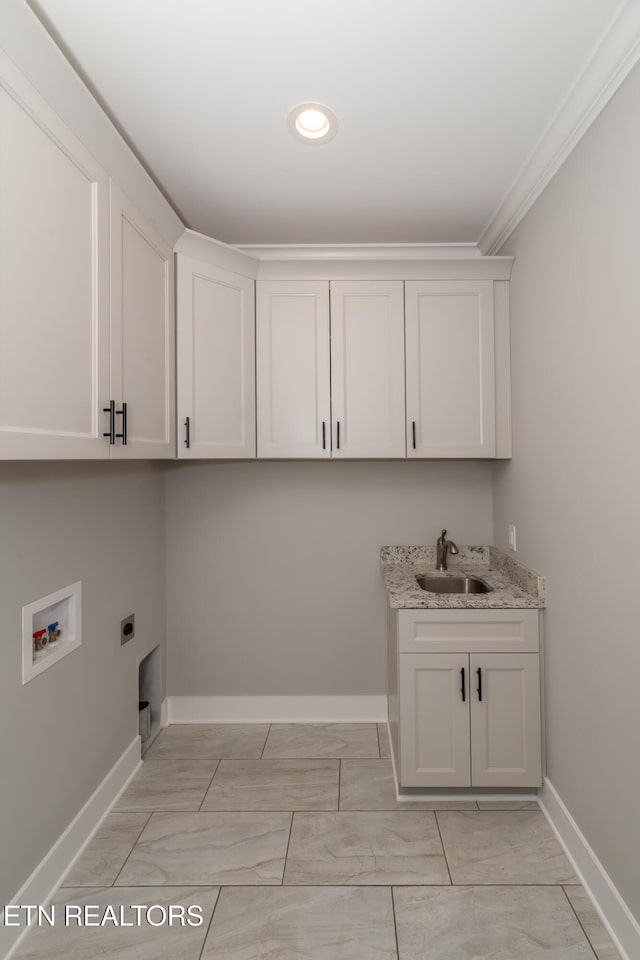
x=312 y=123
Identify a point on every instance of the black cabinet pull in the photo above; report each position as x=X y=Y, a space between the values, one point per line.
x=324 y=435
x=111 y=432
x=338 y=435
x=123 y=413
x=462 y=688
x=413 y=433
x=187 y=432
x=479 y=672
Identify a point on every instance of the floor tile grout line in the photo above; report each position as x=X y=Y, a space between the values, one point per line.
x=314 y=756
x=378 y=736
x=296 y=809
x=339 y=785
x=213 y=913
x=395 y=924
x=264 y=745
x=444 y=852
x=204 y=796
x=342 y=883
x=284 y=866
x=312 y=885
x=144 y=826
x=582 y=927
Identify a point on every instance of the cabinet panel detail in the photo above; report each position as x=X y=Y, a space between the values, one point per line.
x=216 y=362
x=505 y=723
x=292 y=351
x=54 y=279
x=450 y=368
x=142 y=332
x=367 y=368
x=438 y=631
x=434 y=720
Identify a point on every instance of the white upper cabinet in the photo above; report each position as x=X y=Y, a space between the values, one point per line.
x=450 y=368
x=330 y=369
x=216 y=362
x=54 y=283
x=367 y=369
x=142 y=335
x=292 y=369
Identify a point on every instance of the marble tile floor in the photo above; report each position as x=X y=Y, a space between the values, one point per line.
x=291 y=844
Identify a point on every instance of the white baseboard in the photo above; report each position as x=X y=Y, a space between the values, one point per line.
x=357 y=709
x=46 y=877
x=622 y=926
x=164 y=713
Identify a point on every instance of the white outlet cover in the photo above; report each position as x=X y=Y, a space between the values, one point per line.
x=512 y=537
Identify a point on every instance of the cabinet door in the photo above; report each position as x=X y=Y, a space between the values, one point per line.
x=505 y=720
x=367 y=369
x=216 y=362
x=434 y=720
x=292 y=368
x=54 y=276
x=142 y=335
x=450 y=368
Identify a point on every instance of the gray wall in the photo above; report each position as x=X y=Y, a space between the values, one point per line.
x=102 y=524
x=273 y=571
x=573 y=487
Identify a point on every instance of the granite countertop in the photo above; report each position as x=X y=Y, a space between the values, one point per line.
x=513 y=585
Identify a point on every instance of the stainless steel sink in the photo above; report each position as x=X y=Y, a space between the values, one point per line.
x=453 y=585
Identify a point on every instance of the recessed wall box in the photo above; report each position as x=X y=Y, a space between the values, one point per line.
x=51 y=628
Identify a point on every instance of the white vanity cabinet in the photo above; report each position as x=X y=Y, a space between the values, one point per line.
x=451 y=385
x=464 y=697
x=330 y=369
x=216 y=362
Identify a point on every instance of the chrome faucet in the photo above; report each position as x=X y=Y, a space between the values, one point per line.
x=442 y=546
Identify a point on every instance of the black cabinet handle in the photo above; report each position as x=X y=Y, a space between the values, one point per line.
x=462 y=688
x=479 y=672
x=111 y=432
x=413 y=433
x=187 y=432
x=123 y=413
x=338 y=435
x=324 y=435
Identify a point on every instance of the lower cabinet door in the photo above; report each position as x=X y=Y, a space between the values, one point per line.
x=505 y=720
x=434 y=720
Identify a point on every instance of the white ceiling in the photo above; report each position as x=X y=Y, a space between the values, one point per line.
x=440 y=104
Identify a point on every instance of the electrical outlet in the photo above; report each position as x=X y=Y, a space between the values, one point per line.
x=512 y=537
x=127 y=629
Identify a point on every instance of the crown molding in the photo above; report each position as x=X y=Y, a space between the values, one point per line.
x=609 y=64
x=223 y=255
x=359 y=251
x=435 y=268
x=350 y=261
